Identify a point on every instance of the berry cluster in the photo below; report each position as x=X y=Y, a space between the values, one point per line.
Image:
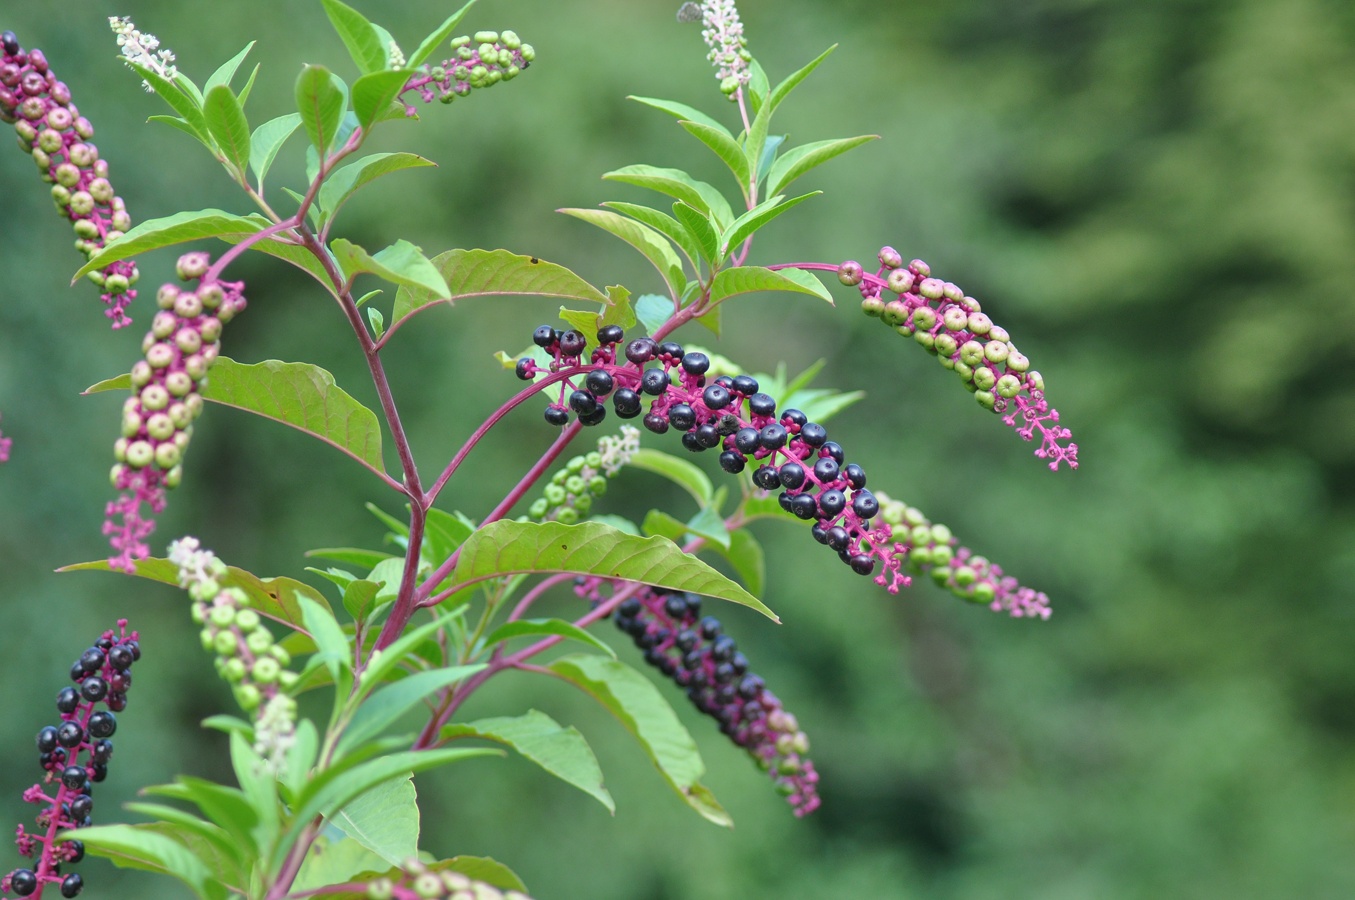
x=181 y=346
x=722 y=31
x=796 y=458
x=964 y=339
x=54 y=133
x=481 y=62
x=694 y=652
x=246 y=656
x=569 y=496
x=102 y=676
x=420 y=882
x=929 y=547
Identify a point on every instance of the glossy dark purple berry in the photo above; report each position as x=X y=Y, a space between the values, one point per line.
x=722 y=648
x=675 y=606
x=525 y=368
x=725 y=382
x=793 y=417
x=838 y=539
x=102 y=724
x=92 y=659
x=746 y=439
x=116 y=700
x=99 y=774
x=813 y=434
x=135 y=647
x=864 y=504
x=629 y=608
x=544 y=336
x=819 y=532
x=22 y=881
x=862 y=564
x=556 y=415
x=626 y=403
x=708 y=436
x=825 y=469
x=582 y=402
x=82 y=806
x=692 y=442
x=672 y=350
x=654 y=382
x=792 y=475
x=784 y=498
x=93 y=688
x=767 y=478
x=77 y=670
x=104 y=643
x=640 y=350
x=716 y=396
x=681 y=416
x=832 y=450
x=599 y=382
x=47 y=739
x=101 y=752
x=772 y=437
x=733 y=462
x=73 y=851
x=693 y=605
x=572 y=343
x=75 y=778
x=656 y=422
x=695 y=363
x=832 y=503
x=724 y=673
x=593 y=418
x=750 y=688
x=610 y=334
x=856 y=476
x=70 y=734
x=72 y=884
x=67 y=699
x=710 y=628
x=804 y=506
x=744 y=384
x=761 y=405
x=120 y=680
x=687 y=640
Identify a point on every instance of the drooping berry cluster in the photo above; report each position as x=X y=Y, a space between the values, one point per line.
x=53 y=132
x=484 y=61
x=75 y=753
x=246 y=656
x=704 y=661
x=810 y=472
x=965 y=340
x=571 y=491
x=420 y=882
x=929 y=547
x=181 y=346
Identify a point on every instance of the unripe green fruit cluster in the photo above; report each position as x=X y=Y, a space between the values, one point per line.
x=246 y=656
x=424 y=883
x=478 y=61
x=569 y=495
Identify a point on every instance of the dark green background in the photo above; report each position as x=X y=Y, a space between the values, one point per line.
x=1158 y=200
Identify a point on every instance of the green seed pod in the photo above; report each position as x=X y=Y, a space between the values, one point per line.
x=925 y=339
x=188 y=305
x=971 y=353
x=872 y=306
x=996 y=351
x=979 y=323
x=942 y=554
x=932 y=288
x=946 y=345
x=984 y=592
x=62 y=197
x=259 y=640
x=224 y=644
x=140 y=454
x=900 y=281
x=265 y=670
x=924 y=317
x=998 y=333
x=44 y=162
x=208 y=639
x=282 y=656
x=895 y=311
x=1017 y=361
x=986 y=399
x=247 y=620
x=582 y=504
x=234 y=670
x=85 y=229
x=248 y=696
x=984 y=379
x=1008 y=386
x=1035 y=381
x=575 y=465
x=288 y=680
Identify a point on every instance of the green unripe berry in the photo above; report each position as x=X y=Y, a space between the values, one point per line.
x=925 y=339
x=946 y=345
x=966 y=372
x=82 y=204
x=872 y=306
x=247 y=620
x=921 y=535
x=971 y=304
x=932 y=288
x=979 y=323
x=198 y=611
x=49 y=140
x=850 y=273
x=195 y=367
x=165 y=297
x=281 y=655
x=510 y=40
x=895 y=311
x=428 y=885
x=179 y=384
x=167 y=456
x=941 y=574
x=583 y=503
x=208 y=638
x=575 y=485
x=233 y=670
x=593 y=460
x=567 y=515
x=160 y=355
x=900 y=281
x=188 y=305
x=575 y=465
x=140 y=454
x=158 y=426
x=1008 y=386
x=120 y=449
x=956 y=319
x=984 y=379
x=729 y=86
x=1035 y=381
x=288 y=680
x=528 y=52
x=597 y=485
x=458 y=42
x=924 y=317
x=942 y=555
x=188 y=340
x=380 y=889
x=996 y=351
x=486 y=37
x=965 y=576
x=986 y=399
x=984 y=592
x=259 y=640
x=1017 y=361
x=248 y=696
x=971 y=353
x=538 y=508
x=942 y=534
x=222 y=616
x=555 y=494
x=265 y=670
x=224 y=644
x=998 y=333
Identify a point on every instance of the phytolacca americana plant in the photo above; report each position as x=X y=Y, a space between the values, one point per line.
x=74 y=754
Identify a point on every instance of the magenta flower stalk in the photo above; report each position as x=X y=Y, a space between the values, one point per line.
x=722 y=31
x=696 y=654
x=57 y=137
x=74 y=753
x=181 y=346
x=483 y=62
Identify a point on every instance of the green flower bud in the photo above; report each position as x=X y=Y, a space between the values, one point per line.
x=555 y=494
x=971 y=353
x=971 y=304
x=223 y=616
x=528 y=52
x=942 y=554
x=583 y=503
x=941 y=574
x=486 y=37
x=984 y=592
x=597 y=485
x=116 y=284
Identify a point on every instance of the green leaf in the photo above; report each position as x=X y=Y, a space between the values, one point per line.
x=390 y=658
x=620 y=523
x=358 y=35
x=702 y=232
x=190 y=108
x=746 y=556
x=259 y=786
x=664 y=224
x=401 y=263
x=755 y=218
x=226 y=71
x=679 y=471
x=445 y=532
x=799 y=160
x=292 y=253
x=229 y=128
x=678 y=185
x=175 y=122
x=321 y=105
x=385 y=820
x=652 y=310
x=334 y=650
x=756 y=138
x=228 y=724
x=336 y=862
x=153 y=234
x=374 y=93
x=722 y=143
x=748 y=279
x=563 y=752
x=649 y=242
x=267 y=140
x=438 y=35
x=344 y=182
x=305 y=750
x=358 y=598
x=789 y=83
x=481 y=273
x=227 y=807
x=682 y=111
x=709 y=524
x=228 y=856
x=482 y=868
x=249 y=85
x=543 y=628
x=383 y=708
x=137 y=847
x=773 y=143
x=637 y=703
x=758 y=86
x=589 y=548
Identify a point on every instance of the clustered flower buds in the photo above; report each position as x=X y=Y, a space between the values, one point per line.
x=75 y=753
x=181 y=346
x=810 y=472
x=420 y=882
x=929 y=547
x=54 y=133
x=571 y=491
x=482 y=61
x=142 y=49
x=696 y=654
x=965 y=340
x=246 y=656
x=723 y=33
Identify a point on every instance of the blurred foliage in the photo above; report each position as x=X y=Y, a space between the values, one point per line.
x=1156 y=200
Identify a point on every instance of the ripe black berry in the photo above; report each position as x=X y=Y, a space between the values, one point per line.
x=91 y=659
x=832 y=503
x=135 y=647
x=70 y=734
x=572 y=343
x=793 y=417
x=82 y=806
x=640 y=350
x=671 y=349
x=93 y=688
x=825 y=469
x=792 y=475
x=610 y=334
x=556 y=415
x=803 y=506
x=813 y=434
x=856 y=476
x=864 y=504
x=838 y=539
x=772 y=437
x=745 y=384
x=525 y=369
x=681 y=416
x=710 y=628
x=761 y=405
x=716 y=396
x=593 y=418
x=102 y=724
x=767 y=478
x=862 y=564
x=746 y=439
x=692 y=442
x=544 y=336
x=582 y=402
x=656 y=423
x=732 y=461
x=75 y=778
x=599 y=382
x=101 y=752
x=77 y=670
x=72 y=884
x=654 y=382
x=784 y=499
x=695 y=363
x=627 y=403
x=708 y=436
x=819 y=533
x=832 y=449
x=47 y=739
x=116 y=700
x=100 y=773
x=67 y=699
x=120 y=680
x=722 y=648
x=23 y=881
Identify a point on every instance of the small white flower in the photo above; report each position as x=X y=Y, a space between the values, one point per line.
x=143 y=49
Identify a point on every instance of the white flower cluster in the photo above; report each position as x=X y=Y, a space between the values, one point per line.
x=723 y=33
x=144 y=49
x=617 y=449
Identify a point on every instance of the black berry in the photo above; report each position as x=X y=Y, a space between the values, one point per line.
x=856 y=476
x=593 y=418
x=640 y=350
x=654 y=382
x=70 y=734
x=544 y=336
x=695 y=363
x=582 y=402
x=22 y=881
x=92 y=659
x=746 y=439
x=627 y=403
x=72 y=884
x=761 y=405
x=832 y=503
x=525 y=368
x=792 y=475
x=733 y=462
x=610 y=334
x=864 y=504
x=93 y=688
x=745 y=384
x=793 y=417
x=772 y=437
x=672 y=349
x=101 y=752
x=67 y=699
x=716 y=396
x=833 y=450
x=47 y=739
x=681 y=416
x=75 y=778
x=599 y=382
x=813 y=434
x=572 y=343
x=656 y=423
x=556 y=415
x=102 y=724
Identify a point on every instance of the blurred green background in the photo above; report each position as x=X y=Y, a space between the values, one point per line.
x=1158 y=200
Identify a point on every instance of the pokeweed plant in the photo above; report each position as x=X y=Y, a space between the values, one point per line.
x=422 y=629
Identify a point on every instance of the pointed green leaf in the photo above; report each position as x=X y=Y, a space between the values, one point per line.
x=373 y=94
x=748 y=279
x=137 y=847
x=358 y=597
x=295 y=254
x=480 y=273
x=229 y=128
x=321 y=105
x=799 y=160
x=709 y=524
x=684 y=474
x=354 y=556
x=678 y=185
x=664 y=224
x=650 y=243
x=590 y=548
x=336 y=862
x=383 y=708
x=363 y=43
x=637 y=703
x=789 y=83
x=758 y=86
x=249 y=85
x=153 y=234
x=390 y=658
x=545 y=628
x=746 y=556
x=773 y=143
x=702 y=232
x=226 y=71
x=175 y=122
x=722 y=143
x=444 y=31
x=401 y=263
x=201 y=838
x=267 y=140
x=563 y=752
x=333 y=647
x=755 y=218
x=682 y=111
x=226 y=806
x=344 y=182
x=653 y=311
x=190 y=108
x=385 y=820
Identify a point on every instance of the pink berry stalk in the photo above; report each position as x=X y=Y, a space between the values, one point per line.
x=74 y=753
x=181 y=346
x=481 y=62
x=57 y=137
